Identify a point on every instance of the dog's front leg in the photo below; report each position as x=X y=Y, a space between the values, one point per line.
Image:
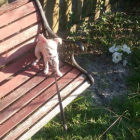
x=46 y=70
x=57 y=68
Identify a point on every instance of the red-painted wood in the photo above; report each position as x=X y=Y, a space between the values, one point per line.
x=40 y=100
x=19 y=38
x=34 y=118
x=15 y=27
x=22 y=11
x=16 y=66
x=23 y=89
x=29 y=97
x=20 y=50
x=19 y=79
x=12 y=6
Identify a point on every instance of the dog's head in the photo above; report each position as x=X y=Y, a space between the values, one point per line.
x=49 y=45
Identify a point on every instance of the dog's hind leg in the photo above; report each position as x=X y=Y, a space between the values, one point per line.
x=37 y=54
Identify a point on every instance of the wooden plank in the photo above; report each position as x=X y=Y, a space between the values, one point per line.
x=36 y=103
x=20 y=78
x=7 y=113
x=16 y=66
x=44 y=109
x=28 y=86
x=18 y=51
x=15 y=27
x=53 y=113
x=22 y=11
x=12 y=6
x=19 y=38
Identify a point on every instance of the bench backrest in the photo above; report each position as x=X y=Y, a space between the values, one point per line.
x=20 y=24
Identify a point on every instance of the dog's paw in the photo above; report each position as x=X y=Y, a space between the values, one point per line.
x=35 y=62
x=46 y=72
x=59 y=74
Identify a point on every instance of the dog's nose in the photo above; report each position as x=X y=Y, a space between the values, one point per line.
x=50 y=54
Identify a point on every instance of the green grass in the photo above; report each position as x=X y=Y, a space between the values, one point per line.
x=88 y=122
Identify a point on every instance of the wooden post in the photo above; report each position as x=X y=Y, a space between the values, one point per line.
x=3 y=2
x=78 y=10
x=107 y=6
x=97 y=11
x=51 y=8
x=55 y=21
x=89 y=7
x=67 y=8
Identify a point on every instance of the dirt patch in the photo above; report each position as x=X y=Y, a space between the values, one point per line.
x=109 y=77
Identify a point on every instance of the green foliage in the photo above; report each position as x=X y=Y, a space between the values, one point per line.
x=134 y=78
x=110 y=28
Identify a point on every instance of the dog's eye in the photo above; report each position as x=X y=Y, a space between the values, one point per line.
x=47 y=49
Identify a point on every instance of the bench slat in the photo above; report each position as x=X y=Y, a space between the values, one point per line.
x=54 y=112
x=43 y=110
x=19 y=79
x=22 y=11
x=19 y=38
x=25 y=100
x=18 y=51
x=35 y=104
x=27 y=87
x=16 y=66
x=12 y=6
x=15 y=27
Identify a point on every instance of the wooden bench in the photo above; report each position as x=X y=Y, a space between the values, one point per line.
x=28 y=97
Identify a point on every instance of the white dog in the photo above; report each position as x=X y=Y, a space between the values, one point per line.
x=48 y=48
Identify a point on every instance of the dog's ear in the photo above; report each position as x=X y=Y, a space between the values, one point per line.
x=42 y=39
x=58 y=40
